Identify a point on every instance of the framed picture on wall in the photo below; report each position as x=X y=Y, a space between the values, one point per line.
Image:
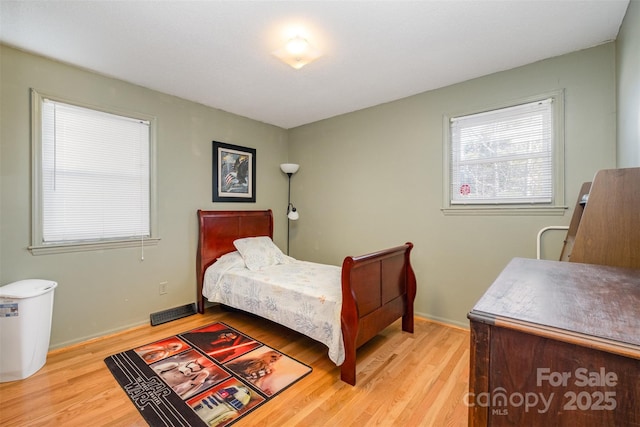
x=234 y=173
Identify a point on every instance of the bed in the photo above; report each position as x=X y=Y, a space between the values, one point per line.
x=373 y=290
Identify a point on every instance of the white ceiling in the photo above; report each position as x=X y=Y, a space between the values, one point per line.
x=218 y=53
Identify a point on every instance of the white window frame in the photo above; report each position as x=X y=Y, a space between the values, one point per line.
x=557 y=204
x=38 y=246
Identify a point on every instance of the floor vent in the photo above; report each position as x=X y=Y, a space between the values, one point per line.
x=172 y=314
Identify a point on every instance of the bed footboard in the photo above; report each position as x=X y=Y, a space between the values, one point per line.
x=377 y=289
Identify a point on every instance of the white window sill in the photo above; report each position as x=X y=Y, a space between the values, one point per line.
x=504 y=210
x=91 y=246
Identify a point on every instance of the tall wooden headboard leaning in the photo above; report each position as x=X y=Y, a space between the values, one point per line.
x=218 y=230
x=609 y=230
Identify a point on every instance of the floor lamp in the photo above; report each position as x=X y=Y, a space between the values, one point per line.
x=292 y=213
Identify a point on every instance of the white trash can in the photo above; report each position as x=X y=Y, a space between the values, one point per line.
x=26 y=308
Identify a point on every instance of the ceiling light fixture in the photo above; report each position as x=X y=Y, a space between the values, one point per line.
x=297 y=52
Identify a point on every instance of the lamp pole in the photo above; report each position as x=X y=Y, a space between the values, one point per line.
x=292 y=214
x=288 y=207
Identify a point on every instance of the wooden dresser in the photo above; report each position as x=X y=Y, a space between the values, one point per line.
x=556 y=344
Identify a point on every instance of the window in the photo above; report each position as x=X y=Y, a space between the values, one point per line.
x=507 y=158
x=93 y=181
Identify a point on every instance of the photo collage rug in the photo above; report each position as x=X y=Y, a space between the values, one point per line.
x=209 y=376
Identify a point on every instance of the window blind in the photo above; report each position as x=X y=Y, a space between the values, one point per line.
x=95 y=175
x=503 y=156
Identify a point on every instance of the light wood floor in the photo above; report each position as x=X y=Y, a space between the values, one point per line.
x=403 y=379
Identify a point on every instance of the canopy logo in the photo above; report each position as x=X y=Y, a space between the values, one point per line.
x=499 y=400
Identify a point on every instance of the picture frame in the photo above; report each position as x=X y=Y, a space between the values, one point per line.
x=234 y=173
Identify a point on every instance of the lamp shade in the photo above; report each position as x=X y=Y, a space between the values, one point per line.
x=289 y=167
x=293 y=214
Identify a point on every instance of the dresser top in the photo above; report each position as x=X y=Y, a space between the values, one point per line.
x=582 y=299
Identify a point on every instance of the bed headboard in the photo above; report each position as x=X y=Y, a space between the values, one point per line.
x=216 y=232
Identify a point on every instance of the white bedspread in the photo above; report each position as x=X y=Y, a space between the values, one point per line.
x=300 y=295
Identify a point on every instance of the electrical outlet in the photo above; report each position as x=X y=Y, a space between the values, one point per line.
x=163 y=287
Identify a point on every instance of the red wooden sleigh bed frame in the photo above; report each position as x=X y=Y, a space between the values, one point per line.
x=377 y=289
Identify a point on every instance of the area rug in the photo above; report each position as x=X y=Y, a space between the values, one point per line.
x=209 y=376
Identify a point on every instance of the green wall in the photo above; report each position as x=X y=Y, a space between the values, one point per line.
x=628 y=89
x=108 y=290
x=373 y=178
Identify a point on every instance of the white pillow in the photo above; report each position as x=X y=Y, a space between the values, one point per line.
x=259 y=252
